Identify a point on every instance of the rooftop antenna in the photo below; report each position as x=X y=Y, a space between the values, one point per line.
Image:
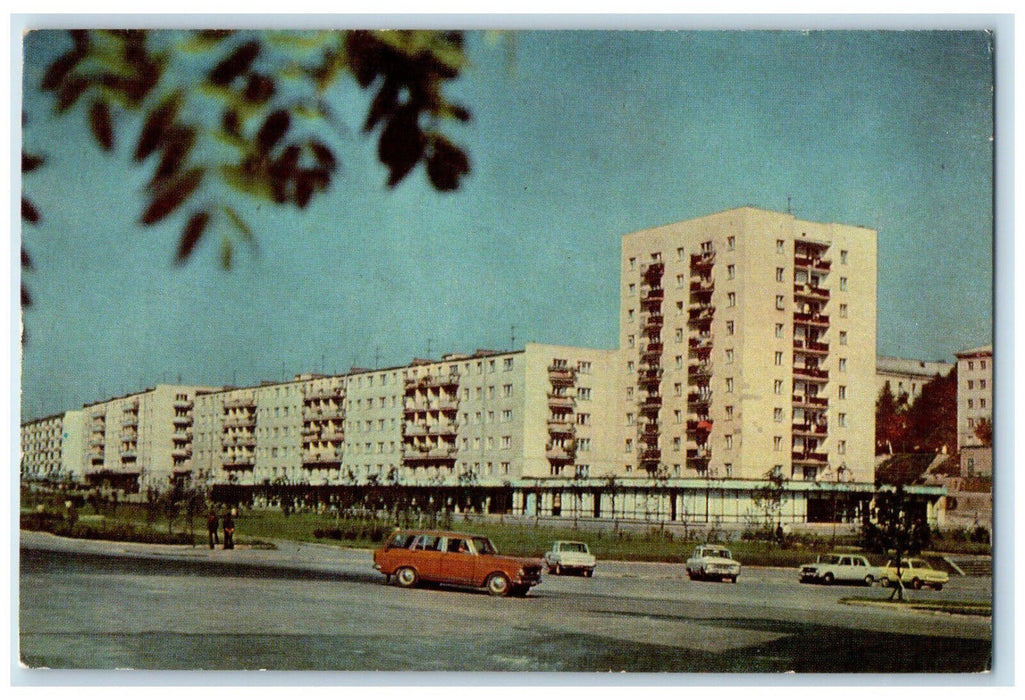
x=429 y=347
x=377 y=356
x=512 y=337
x=788 y=205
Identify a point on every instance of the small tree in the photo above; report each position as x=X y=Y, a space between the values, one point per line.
x=893 y=524
x=771 y=496
x=984 y=431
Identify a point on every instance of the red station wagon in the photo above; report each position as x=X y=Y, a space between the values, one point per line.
x=458 y=558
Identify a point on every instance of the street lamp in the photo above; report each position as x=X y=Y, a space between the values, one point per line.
x=841 y=471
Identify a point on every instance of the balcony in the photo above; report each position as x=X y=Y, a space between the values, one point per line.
x=560 y=401
x=433 y=381
x=802 y=400
x=809 y=429
x=655 y=295
x=700 y=342
x=237 y=464
x=651 y=404
x=182 y=420
x=240 y=403
x=810 y=291
x=702 y=425
x=811 y=374
x=443 y=428
x=698 y=454
x=324 y=393
x=561 y=427
x=811 y=263
x=414 y=429
x=181 y=452
x=653 y=271
x=560 y=375
x=702 y=286
x=182 y=404
x=811 y=346
x=560 y=453
x=702 y=260
x=652 y=321
x=811 y=319
x=809 y=457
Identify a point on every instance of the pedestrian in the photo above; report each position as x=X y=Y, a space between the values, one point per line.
x=229 y=531
x=780 y=536
x=212 y=523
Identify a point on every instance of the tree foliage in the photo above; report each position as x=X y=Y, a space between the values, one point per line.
x=895 y=525
x=224 y=114
x=927 y=425
x=984 y=431
x=772 y=495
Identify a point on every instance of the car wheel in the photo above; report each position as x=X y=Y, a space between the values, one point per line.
x=498 y=584
x=733 y=579
x=827 y=579
x=938 y=587
x=518 y=591
x=557 y=570
x=588 y=573
x=869 y=580
x=406 y=577
x=916 y=584
x=884 y=582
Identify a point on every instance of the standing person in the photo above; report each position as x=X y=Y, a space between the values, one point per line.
x=212 y=523
x=229 y=531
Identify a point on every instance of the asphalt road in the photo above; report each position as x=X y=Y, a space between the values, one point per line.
x=103 y=606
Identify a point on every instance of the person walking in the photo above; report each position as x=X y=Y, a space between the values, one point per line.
x=229 y=531
x=212 y=523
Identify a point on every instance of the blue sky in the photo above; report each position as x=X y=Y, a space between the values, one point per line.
x=577 y=138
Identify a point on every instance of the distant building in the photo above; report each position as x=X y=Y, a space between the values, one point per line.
x=142 y=440
x=907 y=376
x=974 y=407
x=51 y=448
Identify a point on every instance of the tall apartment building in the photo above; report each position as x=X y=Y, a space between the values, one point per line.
x=974 y=405
x=748 y=342
x=141 y=440
x=907 y=376
x=488 y=417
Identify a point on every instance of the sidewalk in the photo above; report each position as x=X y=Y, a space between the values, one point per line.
x=292 y=555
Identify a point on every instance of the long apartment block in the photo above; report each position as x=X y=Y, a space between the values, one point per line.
x=484 y=418
x=748 y=342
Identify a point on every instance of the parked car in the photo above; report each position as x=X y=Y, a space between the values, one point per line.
x=840 y=568
x=412 y=556
x=569 y=557
x=713 y=561
x=915 y=573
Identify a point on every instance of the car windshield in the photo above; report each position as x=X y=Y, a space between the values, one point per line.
x=574 y=547
x=721 y=553
x=829 y=559
x=483 y=546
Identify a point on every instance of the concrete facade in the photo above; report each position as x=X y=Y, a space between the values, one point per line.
x=974 y=405
x=748 y=343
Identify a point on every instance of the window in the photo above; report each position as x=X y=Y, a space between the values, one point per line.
x=843 y=257
x=679 y=362
x=679 y=254
x=779 y=358
x=982 y=364
x=507 y=364
x=631 y=289
x=777 y=386
x=506 y=415
x=731 y=243
x=982 y=383
x=779 y=330
x=630 y=315
x=584 y=444
x=731 y=272
x=731 y=299
x=982 y=403
x=841 y=447
x=780 y=302
x=677 y=416
x=679 y=308
x=676 y=444
x=729 y=328
x=507 y=390
x=729 y=442
x=780 y=246
x=629 y=419
x=842 y=392
x=681 y=280
x=777 y=443
x=729 y=413
x=777 y=415
x=971 y=403
x=843 y=337
x=678 y=335
x=841 y=420
x=843 y=364
x=506 y=442
x=729 y=385
x=630 y=342
x=971 y=383
x=629 y=447
x=633 y=263
x=843 y=310
x=677 y=389
x=780 y=272
x=843 y=284
x=584 y=393
x=729 y=356
x=630 y=367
